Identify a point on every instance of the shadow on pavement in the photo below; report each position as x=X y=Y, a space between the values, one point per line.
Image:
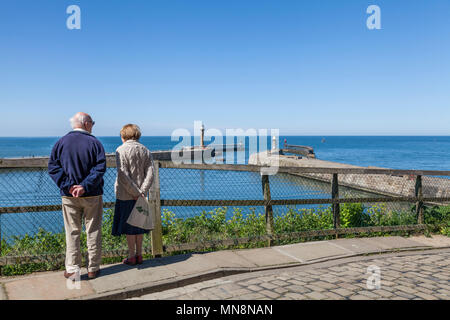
x=149 y=263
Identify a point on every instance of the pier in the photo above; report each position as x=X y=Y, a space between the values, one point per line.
x=304 y=151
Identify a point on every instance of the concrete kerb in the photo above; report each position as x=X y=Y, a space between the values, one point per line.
x=3 y=295
x=153 y=287
x=147 y=288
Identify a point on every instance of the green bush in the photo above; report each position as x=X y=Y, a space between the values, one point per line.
x=437 y=218
x=295 y=220
x=379 y=215
x=353 y=215
x=219 y=223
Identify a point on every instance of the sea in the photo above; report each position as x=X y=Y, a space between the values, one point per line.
x=34 y=187
x=395 y=152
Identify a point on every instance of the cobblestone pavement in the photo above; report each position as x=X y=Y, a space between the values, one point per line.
x=405 y=277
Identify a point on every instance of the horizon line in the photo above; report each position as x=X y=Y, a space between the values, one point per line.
x=287 y=135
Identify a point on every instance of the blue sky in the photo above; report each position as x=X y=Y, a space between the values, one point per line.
x=304 y=67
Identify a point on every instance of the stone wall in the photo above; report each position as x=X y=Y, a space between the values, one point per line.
x=381 y=184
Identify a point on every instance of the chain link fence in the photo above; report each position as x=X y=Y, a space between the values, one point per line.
x=32 y=225
x=217 y=206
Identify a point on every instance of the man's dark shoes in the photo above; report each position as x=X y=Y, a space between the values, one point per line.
x=93 y=275
x=69 y=275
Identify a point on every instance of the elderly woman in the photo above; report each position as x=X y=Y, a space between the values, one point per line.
x=134 y=178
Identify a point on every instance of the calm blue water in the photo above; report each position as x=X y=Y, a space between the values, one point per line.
x=34 y=187
x=427 y=153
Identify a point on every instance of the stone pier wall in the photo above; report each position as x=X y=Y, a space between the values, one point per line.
x=389 y=185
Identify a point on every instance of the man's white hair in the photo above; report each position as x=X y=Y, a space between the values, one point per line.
x=78 y=120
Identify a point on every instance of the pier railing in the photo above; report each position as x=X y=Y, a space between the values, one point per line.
x=207 y=206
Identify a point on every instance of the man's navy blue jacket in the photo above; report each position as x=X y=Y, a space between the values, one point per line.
x=78 y=158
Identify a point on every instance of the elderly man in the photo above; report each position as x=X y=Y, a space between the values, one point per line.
x=77 y=165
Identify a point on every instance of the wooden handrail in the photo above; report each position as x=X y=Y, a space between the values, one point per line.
x=29 y=163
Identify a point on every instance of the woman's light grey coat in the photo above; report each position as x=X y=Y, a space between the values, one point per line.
x=135 y=171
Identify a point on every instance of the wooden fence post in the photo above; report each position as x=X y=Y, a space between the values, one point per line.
x=268 y=207
x=155 y=201
x=336 y=208
x=419 y=202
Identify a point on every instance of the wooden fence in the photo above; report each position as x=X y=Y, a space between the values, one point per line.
x=158 y=247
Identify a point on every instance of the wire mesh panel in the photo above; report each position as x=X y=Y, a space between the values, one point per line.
x=188 y=221
x=300 y=186
x=376 y=186
x=295 y=218
x=27 y=187
x=32 y=224
x=380 y=185
x=364 y=185
x=380 y=214
x=185 y=185
x=193 y=184
x=207 y=203
x=34 y=201
x=436 y=186
x=109 y=179
x=298 y=201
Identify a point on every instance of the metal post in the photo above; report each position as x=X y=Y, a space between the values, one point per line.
x=419 y=202
x=268 y=207
x=336 y=208
x=155 y=201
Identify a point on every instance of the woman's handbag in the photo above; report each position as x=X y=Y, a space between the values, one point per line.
x=142 y=214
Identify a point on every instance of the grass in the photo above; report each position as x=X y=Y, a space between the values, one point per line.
x=218 y=224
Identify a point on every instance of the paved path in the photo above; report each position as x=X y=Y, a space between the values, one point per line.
x=415 y=276
x=118 y=281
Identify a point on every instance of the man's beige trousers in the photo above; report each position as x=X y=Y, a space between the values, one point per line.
x=74 y=210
